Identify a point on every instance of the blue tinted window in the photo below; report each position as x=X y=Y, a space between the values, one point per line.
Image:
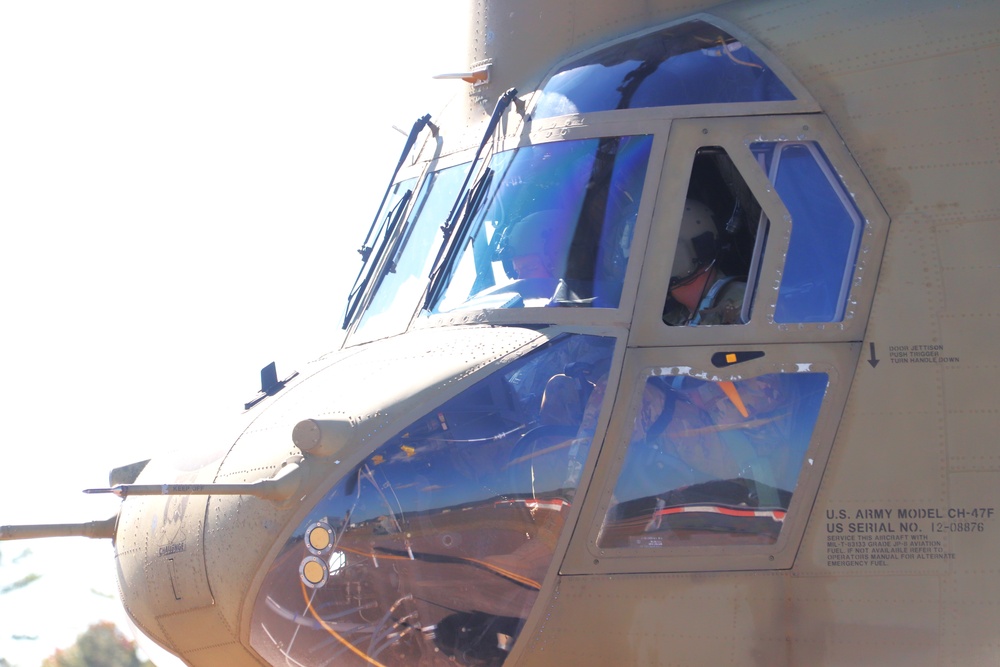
x=713 y=463
x=555 y=228
x=691 y=63
x=433 y=549
x=373 y=248
x=403 y=278
x=826 y=232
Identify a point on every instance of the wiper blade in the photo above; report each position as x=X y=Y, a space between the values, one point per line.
x=393 y=218
x=474 y=202
x=366 y=250
x=467 y=199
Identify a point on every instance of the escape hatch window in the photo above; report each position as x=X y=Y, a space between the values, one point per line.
x=719 y=246
x=826 y=230
x=712 y=463
x=690 y=63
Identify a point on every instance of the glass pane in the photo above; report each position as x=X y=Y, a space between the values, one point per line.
x=691 y=63
x=826 y=233
x=555 y=228
x=713 y=463
x=404 y=278
x=397 y=199
x=432 y=551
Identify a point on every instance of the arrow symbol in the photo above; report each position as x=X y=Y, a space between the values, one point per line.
x=873 y=361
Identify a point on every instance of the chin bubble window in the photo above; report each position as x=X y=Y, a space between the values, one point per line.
x=712 y=463
x=432 y=550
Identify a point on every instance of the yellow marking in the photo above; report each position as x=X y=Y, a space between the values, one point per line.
x=410 y=451
x=730 y=390
x=531 y=583
x=731 y=358
x=319 y=538
x=313 y=572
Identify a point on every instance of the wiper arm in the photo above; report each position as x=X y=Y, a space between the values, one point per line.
x=418 y=126
x=365 y=250
x=354 y=300
x=446 y=251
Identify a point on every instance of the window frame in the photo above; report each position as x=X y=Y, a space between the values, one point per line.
x=585 y=556
x=610 y=124
x=735 y=135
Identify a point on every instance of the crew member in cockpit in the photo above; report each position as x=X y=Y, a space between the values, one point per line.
x=699 y=292
x=531 y=249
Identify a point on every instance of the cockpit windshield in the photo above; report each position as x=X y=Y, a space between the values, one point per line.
x=554 y=228
x=386 y=221
x=403 y=277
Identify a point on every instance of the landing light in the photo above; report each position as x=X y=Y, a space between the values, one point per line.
x=319 y=538
x=313 y=572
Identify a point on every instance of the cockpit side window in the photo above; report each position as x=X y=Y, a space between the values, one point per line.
x=434 y=547
x=690 y=63
x=553 y=230
x=712 y=463
x=723 y=234
x=826 y=232
x=718 y=248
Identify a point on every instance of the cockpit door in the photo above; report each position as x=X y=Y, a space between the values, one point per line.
x=794 y=226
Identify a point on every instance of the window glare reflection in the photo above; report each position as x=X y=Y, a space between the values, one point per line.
x=691 y=63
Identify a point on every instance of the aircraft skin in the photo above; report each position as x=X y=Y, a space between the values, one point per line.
x=407 y=512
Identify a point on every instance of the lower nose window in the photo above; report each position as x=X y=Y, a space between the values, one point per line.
x=433 y=549
x=713 y=463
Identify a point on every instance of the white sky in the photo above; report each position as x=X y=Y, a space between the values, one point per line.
x=183 y=186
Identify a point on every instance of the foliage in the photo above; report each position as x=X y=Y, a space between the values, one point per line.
x=102 y=645
x=20 y=583
x=7 y=588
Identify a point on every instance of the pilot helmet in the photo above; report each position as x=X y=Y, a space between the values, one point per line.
x=696 y=242
x=537 y=233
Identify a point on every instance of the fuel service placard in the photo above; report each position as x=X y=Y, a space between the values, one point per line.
x=900 y=536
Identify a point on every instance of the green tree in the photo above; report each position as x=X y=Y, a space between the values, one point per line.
x=23 y=581
x=102 y=645
x=13 y=586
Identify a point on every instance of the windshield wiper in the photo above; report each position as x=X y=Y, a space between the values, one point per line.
x=392 y=221
x=470 y=199
x=357 y=290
